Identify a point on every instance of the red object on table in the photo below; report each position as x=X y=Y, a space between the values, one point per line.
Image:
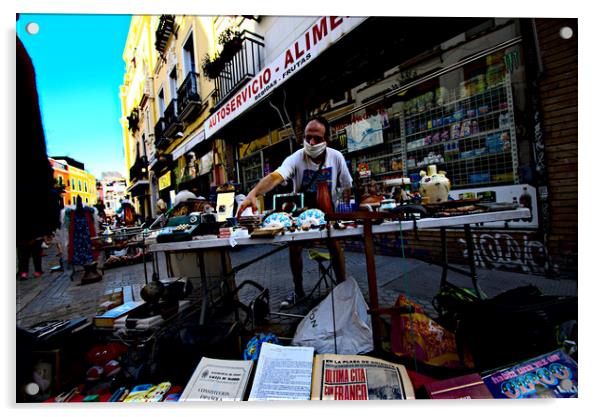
x=418 y=380
x=324 y=200
x=463 y=387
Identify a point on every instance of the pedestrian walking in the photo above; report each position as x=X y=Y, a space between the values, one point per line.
x=37 y=203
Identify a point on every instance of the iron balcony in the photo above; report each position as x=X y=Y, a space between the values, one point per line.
x=172 y=123
x=189 y=98
x=243 y=66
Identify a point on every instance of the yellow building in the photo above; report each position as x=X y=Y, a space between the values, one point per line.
x=60 y=173
x=137 y=106
x=82 y=184
x=165 y=100
x=78 y=181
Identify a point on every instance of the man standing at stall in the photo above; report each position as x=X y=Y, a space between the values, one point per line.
x=307 y=167
x=127 y=212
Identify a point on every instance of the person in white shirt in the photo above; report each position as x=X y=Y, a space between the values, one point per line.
x=301 y=167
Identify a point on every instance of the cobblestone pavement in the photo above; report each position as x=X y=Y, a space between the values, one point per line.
x=55 y=296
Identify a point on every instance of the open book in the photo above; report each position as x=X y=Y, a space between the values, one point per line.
x=218 y=380
x=283 y=373
x=354 y=377
x=293 y=373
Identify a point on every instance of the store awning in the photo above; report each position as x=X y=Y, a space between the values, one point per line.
x=187 y=146
x=371 y=49
x=138 y=188
x=321 y=35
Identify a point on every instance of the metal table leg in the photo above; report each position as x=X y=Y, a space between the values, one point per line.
x=372 y=284
x=471 y=260
x=144 y=259
x=444 y=266
x=204 y=287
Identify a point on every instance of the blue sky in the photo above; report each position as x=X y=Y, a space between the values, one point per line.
x=79 y=69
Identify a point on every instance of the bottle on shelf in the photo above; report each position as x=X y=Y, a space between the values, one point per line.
x=474 y=127
x=526 y=201
x=504 y=122
x=515 y=204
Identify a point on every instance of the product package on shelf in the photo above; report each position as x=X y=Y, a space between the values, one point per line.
x=463 y=129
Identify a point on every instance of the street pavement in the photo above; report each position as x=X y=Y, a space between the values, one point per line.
x=55 y=296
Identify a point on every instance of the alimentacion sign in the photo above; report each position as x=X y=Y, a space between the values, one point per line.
x=315 y=40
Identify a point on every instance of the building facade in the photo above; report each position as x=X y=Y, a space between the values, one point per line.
x=77 y=181
x=60 y=172
x=111 y=190
x=137 y=104
x=164 y=101
x=490 y=101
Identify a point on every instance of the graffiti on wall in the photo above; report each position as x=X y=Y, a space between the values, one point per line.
x=538 y=145
x=501 y=250
x=518 y=252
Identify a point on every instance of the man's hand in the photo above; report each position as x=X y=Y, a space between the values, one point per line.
x=266 y=184
x=249 y=201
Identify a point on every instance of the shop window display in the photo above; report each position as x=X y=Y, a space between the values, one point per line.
x=468 y=130
x=462 y=121
x=261 y=162
x=371 y=165
x=251 y=168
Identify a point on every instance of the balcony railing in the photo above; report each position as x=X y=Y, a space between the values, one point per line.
x=139 y=171
x=161 y=162
x=243 y=66
x=164 y=30
x=172 y=123
x=161 y=141
x=189 y=97
x=134 y=120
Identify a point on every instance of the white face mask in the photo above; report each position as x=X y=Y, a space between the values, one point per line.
x=313 y=151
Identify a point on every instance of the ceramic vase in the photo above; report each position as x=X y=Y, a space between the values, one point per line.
x=434 y=185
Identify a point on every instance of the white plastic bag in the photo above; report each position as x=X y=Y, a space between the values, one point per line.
x=353 y=326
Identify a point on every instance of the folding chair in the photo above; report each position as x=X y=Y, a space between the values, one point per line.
x=326 y=272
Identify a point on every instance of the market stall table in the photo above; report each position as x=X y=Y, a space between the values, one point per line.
x=365 y=231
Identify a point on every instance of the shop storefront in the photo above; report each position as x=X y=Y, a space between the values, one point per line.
x=465 y=110
x=262 y=156
x=459 y=98
x=193 y=172
x=201 y=167
x=460 y=103
x=141 y=198
x=167 y=190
